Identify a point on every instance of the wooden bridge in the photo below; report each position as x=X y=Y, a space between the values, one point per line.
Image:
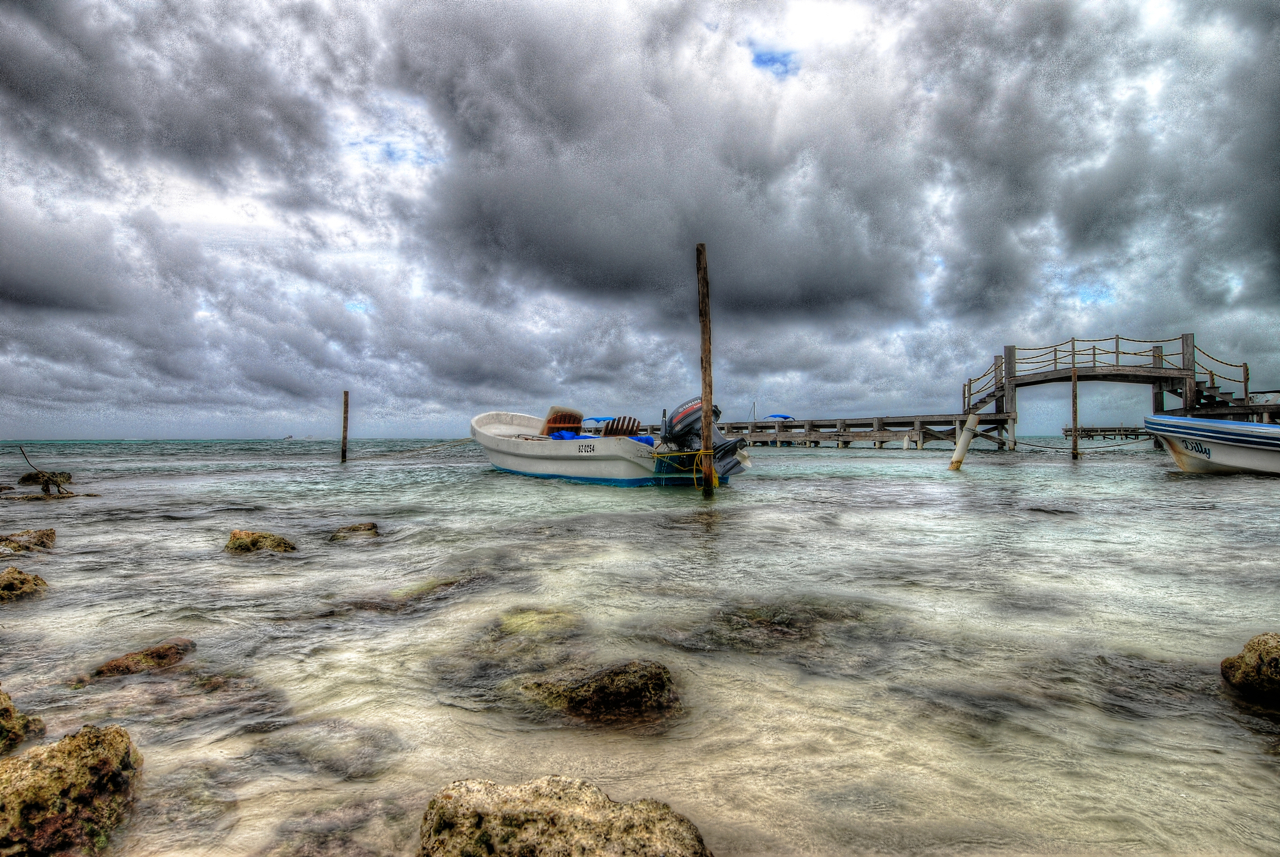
x=1175 y=368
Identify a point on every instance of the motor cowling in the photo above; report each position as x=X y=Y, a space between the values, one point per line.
x=683 y=431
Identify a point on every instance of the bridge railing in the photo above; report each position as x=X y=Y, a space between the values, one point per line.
x=1111 y=351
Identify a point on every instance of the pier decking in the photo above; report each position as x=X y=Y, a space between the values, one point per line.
x=910 y=432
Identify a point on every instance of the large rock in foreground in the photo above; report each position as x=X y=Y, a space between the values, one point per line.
x=631 y=692
x=166 y=654
x=243 y=541
x=67 y=796
x=15 y=584
x=1255 y=672
x=16 y=727
x=28 y=540
x=551 y=817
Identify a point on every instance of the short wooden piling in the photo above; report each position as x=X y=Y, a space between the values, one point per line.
x=346 y=408
x=708 y=419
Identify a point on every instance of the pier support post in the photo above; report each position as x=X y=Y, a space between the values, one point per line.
x=704 y=318
x=1157 y=389
x=877 y=424
x=997 y=381
x=963 y=441
x=1075 y=417
x=1011 y=391
x=346 y=408
x=1189 y=367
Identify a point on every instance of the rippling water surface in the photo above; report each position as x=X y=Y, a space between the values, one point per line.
x=875 y=654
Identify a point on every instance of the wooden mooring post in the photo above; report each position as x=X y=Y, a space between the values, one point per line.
x=346 y=407
x=1075 y=417
x=708 y=419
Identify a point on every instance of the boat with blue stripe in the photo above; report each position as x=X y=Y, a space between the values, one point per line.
x=554 y=447
x=1200 y=445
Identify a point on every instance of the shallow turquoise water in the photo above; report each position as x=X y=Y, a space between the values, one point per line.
x=1017 y=658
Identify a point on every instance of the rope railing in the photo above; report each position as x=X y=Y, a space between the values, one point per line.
x=1217 y=360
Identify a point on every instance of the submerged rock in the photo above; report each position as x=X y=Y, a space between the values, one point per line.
x=67 y=796
x=6 y=487
x=354 y=829
x=551 y=817
x=355 y=531
x=177 y=704
x=15 y=584
x=28 y=540
x=1255 y=672
x=516 y=647
x=166 y=654
x=16 y=727
x=243 y=541
x=635 y=692
x=346 y=750
x=60 y=477
x=193 y=806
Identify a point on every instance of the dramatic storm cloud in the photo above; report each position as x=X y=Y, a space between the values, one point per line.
x=215 y=217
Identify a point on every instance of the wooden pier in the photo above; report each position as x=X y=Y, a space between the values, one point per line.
x=1174 y=367
x=911 y=432
x=1107 y=432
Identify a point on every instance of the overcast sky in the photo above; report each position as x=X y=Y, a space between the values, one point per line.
x=215 y=217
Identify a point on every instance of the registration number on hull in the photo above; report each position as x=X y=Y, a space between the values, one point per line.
x=586 y=448
x=1197 y=447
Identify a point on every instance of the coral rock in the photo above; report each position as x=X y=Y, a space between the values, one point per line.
x=164 y=655
x=67 y=796
x=355 y=531
x=636 y=691
x=1255 y=672
x=15 y=584
x=243 y=541
x=28 y=540
x=16 y=727
x=60 y=477
x=551 y=817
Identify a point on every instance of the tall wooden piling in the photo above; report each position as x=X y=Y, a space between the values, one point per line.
x=1075 y=417
x=346 y=408
x=708 y=417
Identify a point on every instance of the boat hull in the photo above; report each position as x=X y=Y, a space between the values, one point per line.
x=509 y=441
x=1219 y=446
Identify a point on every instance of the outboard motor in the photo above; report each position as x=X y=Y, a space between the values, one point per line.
x=683 y=430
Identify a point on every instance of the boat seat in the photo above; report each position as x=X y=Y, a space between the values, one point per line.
x=621 y=427
x=562 y=419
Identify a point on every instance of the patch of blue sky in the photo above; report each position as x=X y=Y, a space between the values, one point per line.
x=780 y=64
x=394 y=151
x=1094 y=294
x=357 y=306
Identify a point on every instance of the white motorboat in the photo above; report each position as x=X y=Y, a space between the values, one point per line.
x=555 y=448
x=1218 y=446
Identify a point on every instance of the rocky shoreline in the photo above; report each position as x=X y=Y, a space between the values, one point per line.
x=68 y=795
